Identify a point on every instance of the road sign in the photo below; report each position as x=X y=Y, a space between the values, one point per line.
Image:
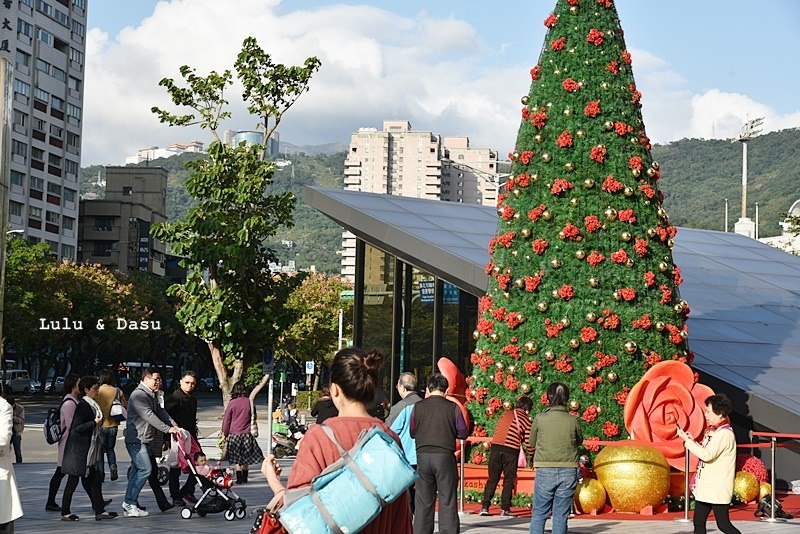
x=268 y=359
x=309 y=368
x=294 y=389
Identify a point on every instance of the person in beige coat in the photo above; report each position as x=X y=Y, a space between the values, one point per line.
x=10 y=505
x=713 y=488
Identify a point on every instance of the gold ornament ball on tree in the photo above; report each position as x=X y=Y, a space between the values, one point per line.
x=634 y=477
x=764 y=489
x=590 y=496
x=507 y=405
x=745 y=486
x=485 y=445
x=525 y=388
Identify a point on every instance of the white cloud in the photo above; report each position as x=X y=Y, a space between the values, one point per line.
x=436 y=72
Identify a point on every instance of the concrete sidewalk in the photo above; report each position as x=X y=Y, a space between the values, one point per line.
x=33 y=479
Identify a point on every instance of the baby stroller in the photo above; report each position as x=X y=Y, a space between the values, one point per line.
x=218 y=495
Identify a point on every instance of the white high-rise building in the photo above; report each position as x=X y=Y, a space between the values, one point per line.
x=45 y=42
x=421 y=164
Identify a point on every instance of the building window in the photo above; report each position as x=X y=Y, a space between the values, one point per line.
x=69 y=194
x=53 y=188
x=15 y=208
x=37 y=183
x=42 y=66
x=24 y=28
x=69 y=223
x=34 y=212
x=73 y=139
x=53 y=246
x=41 y=95
x=76 y=56
x=58 y=74
x=54 y=160
x=52 y=217
x=17 y=178
x=74 y=84
x=55 y=131
x=57 y=103
x=23 y=59
x=22 y=88
x=39 y=125
x=127 y=191
x=37 y=154
x=71 y=167
x=44 y=7
x=19 y=148
x=74 y=111
x=68 y=252
x=20 y=118
x=44 y=36
x=78 y=28
x=62 y=18
x=103 y=224
x=79 y=3
x=28 y=3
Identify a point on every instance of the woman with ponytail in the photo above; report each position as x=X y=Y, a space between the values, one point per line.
x=354 y=379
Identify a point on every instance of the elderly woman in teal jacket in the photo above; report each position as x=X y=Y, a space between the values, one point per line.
x=556 y=436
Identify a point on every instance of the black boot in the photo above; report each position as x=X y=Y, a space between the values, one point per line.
x=244 y=477
x=238 y=477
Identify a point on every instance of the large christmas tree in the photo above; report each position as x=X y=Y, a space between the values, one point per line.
x=583 y=288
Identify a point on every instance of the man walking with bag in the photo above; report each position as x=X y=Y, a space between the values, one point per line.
x=436 y=423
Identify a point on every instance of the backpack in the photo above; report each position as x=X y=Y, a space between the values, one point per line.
x=53 y=430
x=351 y=492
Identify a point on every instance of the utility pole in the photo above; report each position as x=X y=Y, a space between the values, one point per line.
x=751 y=129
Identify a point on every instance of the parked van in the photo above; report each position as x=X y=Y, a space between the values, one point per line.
x=18 y=381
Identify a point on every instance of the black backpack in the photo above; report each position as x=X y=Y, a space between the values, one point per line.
x=53 y=430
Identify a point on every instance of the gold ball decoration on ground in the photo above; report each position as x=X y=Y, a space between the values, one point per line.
x=764 y=489
x=746 y=486
x=590 y=496
x=634 y=477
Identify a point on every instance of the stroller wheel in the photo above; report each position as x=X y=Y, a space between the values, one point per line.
x=229 y=515
x=163 y=475
x=240 y=513
x=186 y=513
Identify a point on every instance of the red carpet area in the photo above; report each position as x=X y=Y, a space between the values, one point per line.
x=789 y=501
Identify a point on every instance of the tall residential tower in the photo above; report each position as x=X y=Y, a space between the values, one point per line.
x=45 y=42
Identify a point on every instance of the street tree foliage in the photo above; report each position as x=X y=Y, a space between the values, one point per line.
x=313 y=330
x=231 y=300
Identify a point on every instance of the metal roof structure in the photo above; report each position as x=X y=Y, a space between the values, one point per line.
x=744 y=296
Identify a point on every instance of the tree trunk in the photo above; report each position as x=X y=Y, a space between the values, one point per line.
x=222 y=373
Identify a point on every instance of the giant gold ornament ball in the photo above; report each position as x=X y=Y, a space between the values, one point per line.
x=590 y=496
x=634 y=476
x=746 y=486
x=764 y=489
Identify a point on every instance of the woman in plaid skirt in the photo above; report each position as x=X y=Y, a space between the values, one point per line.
x=243 y=448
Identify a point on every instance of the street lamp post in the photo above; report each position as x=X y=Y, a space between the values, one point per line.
x=751 y=129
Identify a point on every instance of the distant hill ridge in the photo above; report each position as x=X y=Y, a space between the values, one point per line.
x=697 y=176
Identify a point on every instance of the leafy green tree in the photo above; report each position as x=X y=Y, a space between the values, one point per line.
x=583 y=287
x=231 y=300
x=313 y=330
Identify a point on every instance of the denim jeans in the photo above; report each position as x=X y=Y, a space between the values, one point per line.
x=16 y=441
x=553 y=487
x=140 y=470
x=108 y=439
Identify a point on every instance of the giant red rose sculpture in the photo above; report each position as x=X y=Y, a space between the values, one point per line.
x=667 y=396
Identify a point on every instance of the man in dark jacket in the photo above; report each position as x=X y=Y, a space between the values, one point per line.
x=182 y=407
x=436 y=422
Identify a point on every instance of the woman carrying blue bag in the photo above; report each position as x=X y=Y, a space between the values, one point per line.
x=354 y=378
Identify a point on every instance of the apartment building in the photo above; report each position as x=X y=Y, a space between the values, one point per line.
x=115 y=231
x=45 y=41
x=398 y=160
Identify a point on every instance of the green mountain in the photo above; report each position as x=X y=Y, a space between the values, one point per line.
x=697 y=176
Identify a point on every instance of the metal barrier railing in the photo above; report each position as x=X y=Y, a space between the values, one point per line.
x=774 y=436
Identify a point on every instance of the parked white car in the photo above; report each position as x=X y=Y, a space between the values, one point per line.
x=59 y=386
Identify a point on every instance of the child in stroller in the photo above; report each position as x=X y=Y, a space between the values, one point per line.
x=218 y=496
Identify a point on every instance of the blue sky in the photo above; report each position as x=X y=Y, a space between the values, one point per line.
x=454 y=67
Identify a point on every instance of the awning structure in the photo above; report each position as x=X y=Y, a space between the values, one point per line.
x=744 y=296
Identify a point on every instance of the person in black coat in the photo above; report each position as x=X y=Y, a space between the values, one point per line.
x=182 y=407
x=82 y=451
x=324 y=408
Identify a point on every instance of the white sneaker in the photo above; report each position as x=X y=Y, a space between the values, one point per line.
x=131 y=510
